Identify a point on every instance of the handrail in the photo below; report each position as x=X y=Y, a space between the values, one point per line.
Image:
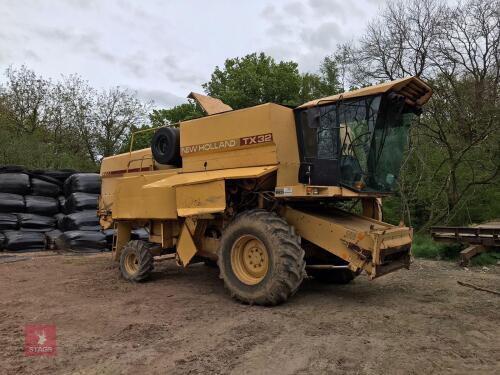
x=176 y=124
x=138 y=132
x=144 y=157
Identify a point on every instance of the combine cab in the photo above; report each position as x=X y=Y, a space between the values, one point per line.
x=260 y=190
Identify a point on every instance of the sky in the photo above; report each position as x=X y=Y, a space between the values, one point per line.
x=166 y=49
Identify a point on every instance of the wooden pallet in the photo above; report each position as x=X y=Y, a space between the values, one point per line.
x=480 y=238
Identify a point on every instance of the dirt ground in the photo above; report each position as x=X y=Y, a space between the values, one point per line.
x=183 y=322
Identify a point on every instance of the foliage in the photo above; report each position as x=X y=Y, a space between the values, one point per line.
x=28 y=150
x=256 y=79
x=159 y=118
x=424 y=247
x=453 y=161
x=63 y=124
x=485 y=259
x=182 y=112
x=115 y=115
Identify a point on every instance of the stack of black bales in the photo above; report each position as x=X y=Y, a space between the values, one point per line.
x=81 y=231
x=28 y=203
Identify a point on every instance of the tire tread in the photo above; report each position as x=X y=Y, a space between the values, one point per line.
x=290 y=268
x=146 y=261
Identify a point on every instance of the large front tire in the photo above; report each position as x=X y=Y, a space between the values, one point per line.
x=260 y=258
x=136 y=261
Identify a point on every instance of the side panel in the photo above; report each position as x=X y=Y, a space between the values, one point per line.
x=328 y=235
x=132 y=201
x=203 y=198
x=264 y=154
x=164 y=195
x=233 y=139
x=287 y=149
x=376 y=247
x=135 y=161
x=114 y=167
x=209 y=176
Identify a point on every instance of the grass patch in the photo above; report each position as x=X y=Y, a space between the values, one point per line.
x=425 y=247
x=485 y=259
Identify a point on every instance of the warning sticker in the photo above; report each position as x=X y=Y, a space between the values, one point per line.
x=284 y=191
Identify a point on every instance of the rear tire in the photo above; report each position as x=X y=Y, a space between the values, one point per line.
x=260 y=258
x=136 y=261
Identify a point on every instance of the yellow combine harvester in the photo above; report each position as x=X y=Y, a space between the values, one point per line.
x=257 y=190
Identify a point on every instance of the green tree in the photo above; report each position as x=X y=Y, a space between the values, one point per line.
x=255 y=79
x=452 y=164
x=330 y=75
x=26 y=99
x=158 y=118
x=316 y=86
x=117 y=112
x=142 y=138
x=63 y=124
x=312 y=87
x=182 y=112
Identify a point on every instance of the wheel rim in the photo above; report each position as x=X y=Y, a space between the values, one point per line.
x=249 y=259
x=131 y=264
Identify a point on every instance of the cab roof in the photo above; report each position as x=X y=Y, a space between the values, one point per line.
x=415 y=91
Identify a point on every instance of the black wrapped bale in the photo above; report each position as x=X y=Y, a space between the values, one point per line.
x=81 y=201
x=59 y=217
x=84 y=183
x=62 y=202
x=109 y=233
x=11 y=202
x=2 y=240
x=36 y=223
x=84 y=220
x=23 y=241
x=12 y=169
x=60 y=175
x=8 y=222
x=40 y=174
x=41 y=205
x=139 y=234
x=42 y=187
x=16 y=183
x=82 y=241
x=51 y=237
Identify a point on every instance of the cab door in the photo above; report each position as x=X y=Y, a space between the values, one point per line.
x=318 y=136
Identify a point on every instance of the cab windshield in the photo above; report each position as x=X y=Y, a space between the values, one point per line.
x=362 y=141
x=373 y=138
